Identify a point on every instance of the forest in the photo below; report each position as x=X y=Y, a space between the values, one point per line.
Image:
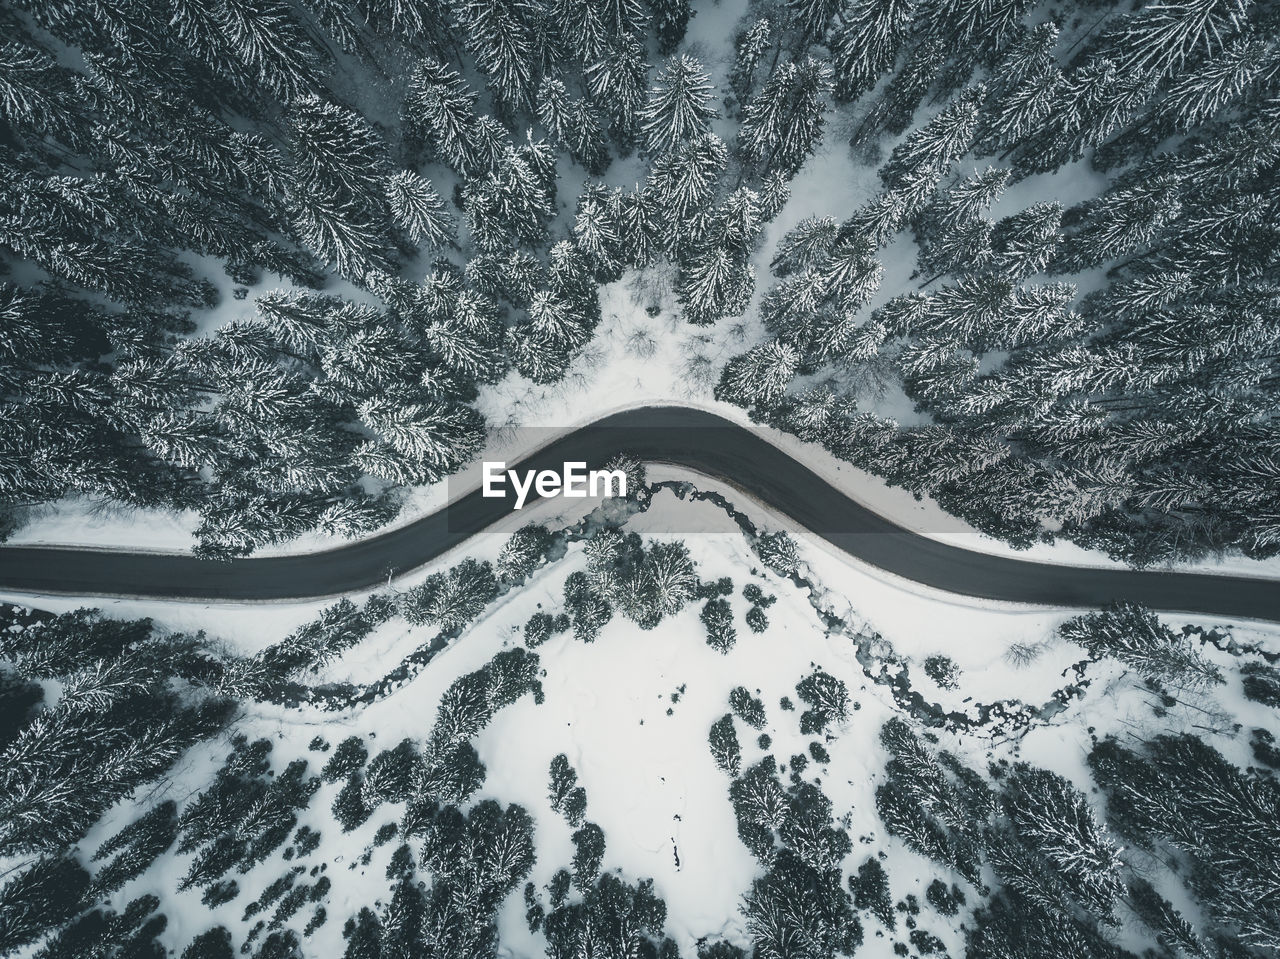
x=418 y=199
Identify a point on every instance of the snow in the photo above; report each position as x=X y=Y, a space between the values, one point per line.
x=650 y=780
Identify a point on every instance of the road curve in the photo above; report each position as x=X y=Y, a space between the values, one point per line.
x=675 y=435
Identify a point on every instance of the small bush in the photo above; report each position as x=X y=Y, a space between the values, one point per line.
x=943 y=671
x=757 y=621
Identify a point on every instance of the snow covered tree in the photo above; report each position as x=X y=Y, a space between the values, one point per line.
x=612 y=919
x=715 y=285
x=749 y=47
x=1137 y=637
x=717 y=619
x=588 y=846
x=573 y=124
x=683 y=182
x=511 y=206
x=498 y=36
x=865 y=40
x=617 y=83
x=724 y=745
x=443 y=109
x=418 y=210
x=39 y=898
x=782 y=124
x=679 y=106
x=760 y=376
x=670 y=22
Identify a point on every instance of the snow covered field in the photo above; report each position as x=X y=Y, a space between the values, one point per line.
x=631 y=711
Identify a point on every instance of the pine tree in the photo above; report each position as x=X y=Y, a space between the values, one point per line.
x=724 y=745
x=679 y=107
x=418 y=210
x=617 y=82
x=573 y=125
x=670 y=21
x=511 y=205
x=749 y=47
x=933 y=148
x=1161 y=37
x=812 y=17
x=596 y=232
x=684 y=181
x=264 y=35
x=34 y=901
x=714 y=285
x=760 y=376
x=865 y=41
x=717 y=620
x=782 y=125
x=497 y=35
x=443 y=109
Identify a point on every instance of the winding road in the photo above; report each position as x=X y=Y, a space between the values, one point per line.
x=679 y=436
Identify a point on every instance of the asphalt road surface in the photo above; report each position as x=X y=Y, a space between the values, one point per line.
x=674 y=435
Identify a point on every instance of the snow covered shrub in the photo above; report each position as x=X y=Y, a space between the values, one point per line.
x=819 y=752
x=1022 y=655
x=757 y=620
x=943 y=671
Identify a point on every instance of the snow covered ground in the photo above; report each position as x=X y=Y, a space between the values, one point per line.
x=632 y=710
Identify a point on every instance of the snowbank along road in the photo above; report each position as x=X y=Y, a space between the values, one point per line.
x=691 y=438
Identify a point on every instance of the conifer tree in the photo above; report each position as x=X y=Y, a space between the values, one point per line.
x=782 y=125
x=865 y=40
x=679 y=106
